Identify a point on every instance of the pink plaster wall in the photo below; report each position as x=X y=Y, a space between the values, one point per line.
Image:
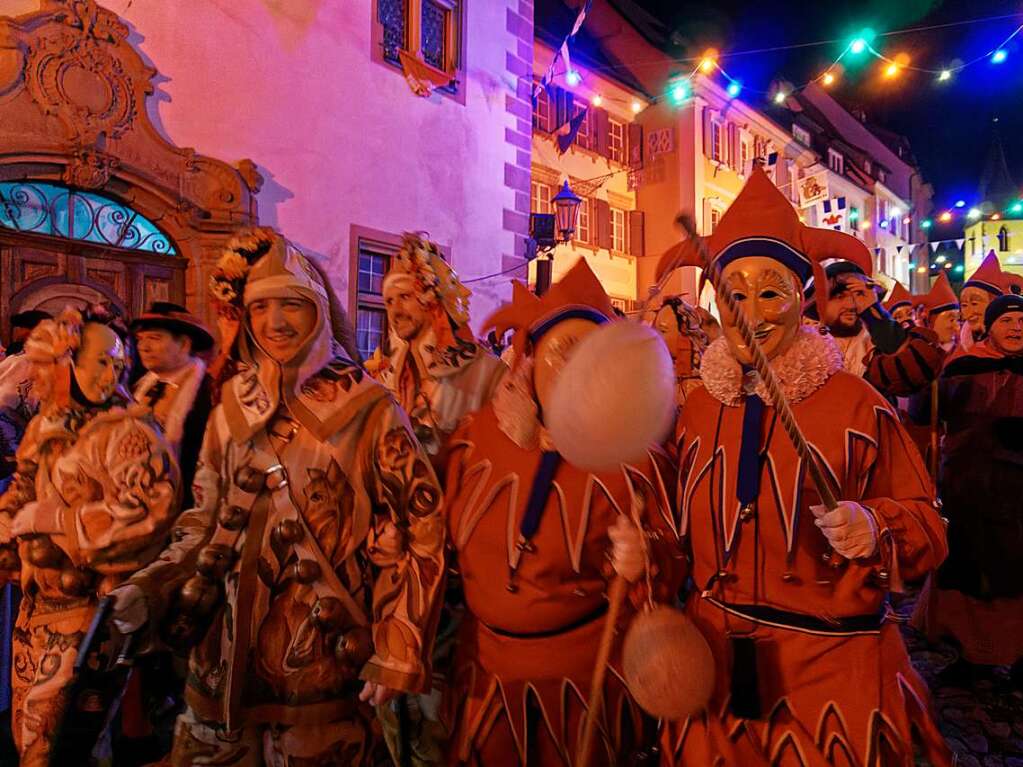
x=340 y=138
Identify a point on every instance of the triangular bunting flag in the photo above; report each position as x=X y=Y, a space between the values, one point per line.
x=566 y=133
x=934 y=246
x=959 y=243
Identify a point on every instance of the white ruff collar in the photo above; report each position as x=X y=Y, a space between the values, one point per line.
x=801 y=369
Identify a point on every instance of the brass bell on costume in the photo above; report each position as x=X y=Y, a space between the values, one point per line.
x=249 y=479
x=232 y=517
x=198 y=596
x=75 y=581
x=214 y=560
x=289 y=531
x=306 y=571
x=42 y=552
x=667 y=664
x=354 y=647
x=328 y=614
x=9 y=559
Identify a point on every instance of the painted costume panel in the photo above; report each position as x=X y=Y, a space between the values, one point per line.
x=114 y=478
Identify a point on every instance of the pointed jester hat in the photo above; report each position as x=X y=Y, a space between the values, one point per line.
x=762 y=222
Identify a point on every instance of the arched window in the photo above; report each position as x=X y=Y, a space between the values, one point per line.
x=40 y=207
x=1003 y=239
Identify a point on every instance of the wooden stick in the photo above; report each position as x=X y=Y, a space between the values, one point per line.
x=934 y=433
x=615 y=597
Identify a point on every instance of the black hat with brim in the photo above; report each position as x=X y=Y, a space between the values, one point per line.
x=175 y=319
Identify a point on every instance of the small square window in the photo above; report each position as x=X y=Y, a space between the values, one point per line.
x=801 y=134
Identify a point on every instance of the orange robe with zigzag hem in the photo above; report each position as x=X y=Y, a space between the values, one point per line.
x=827 y=700
x=514 y=699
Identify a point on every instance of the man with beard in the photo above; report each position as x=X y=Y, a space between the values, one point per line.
x=854 y=316
x=93 y=498
x=809 y=669
x=899 y=305
x=311 y=566
x=430 y=360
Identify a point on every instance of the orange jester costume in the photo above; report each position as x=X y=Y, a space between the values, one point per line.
x=531 y=533
x=809 y=671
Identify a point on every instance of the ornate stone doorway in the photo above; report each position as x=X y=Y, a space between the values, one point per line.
x=73 y=122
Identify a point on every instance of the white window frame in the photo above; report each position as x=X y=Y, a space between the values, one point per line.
x=583 y=228
x=542 y=111
x=539 y=197
x=836 y=161
x=717 y=140
x=616 y=140
x=618 y=223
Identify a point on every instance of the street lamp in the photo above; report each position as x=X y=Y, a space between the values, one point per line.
x=566 y=205
x=542 y=242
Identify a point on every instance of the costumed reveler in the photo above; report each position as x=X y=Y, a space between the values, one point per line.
x=92 y=501
x=976 y=597
x=315 y=552
x=899 y=305
x=531 y=534
x=681 y=327
x=940 y=310
x=430 y=360
x=985 y=284
x=808 y=670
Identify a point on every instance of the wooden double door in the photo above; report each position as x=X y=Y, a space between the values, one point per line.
x=47 y=273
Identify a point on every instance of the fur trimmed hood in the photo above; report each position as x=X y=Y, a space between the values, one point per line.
x=801 y=370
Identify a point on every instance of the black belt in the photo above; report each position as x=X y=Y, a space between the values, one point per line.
x=588 y=618
x=771 y=616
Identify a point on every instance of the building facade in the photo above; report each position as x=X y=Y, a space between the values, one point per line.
x=341 y=122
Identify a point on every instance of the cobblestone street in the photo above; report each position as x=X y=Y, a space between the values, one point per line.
x=984 y=724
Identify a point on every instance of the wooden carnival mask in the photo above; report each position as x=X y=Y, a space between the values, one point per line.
x=99 y=362
x=972 y=302
x=772 y=300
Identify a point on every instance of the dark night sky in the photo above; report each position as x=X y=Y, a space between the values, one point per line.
x=949 y=125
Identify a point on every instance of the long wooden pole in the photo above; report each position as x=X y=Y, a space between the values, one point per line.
x=616 y=597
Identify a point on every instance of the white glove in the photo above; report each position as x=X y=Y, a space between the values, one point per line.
x=627 y=554
x=130 y=609
x=850 y=529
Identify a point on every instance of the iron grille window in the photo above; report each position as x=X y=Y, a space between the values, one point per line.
x=427 y=29
x=392 y=14
x=434 y=30
x=39 y=207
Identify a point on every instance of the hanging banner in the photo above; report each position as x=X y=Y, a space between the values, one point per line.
x=833 y=213
x=934 y=246
x=813 y=189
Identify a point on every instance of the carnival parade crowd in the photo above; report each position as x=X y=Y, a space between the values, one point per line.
x=267 y=551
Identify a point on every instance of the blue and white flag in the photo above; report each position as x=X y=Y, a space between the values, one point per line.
x=833 y=213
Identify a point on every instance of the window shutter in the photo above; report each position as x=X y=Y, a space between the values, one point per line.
x=636 y=243
x=601 y=130
x=733 y=160
x=708 y=150
x=635 y=145
x=602 y=212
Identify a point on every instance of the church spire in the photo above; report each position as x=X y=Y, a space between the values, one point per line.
x=996 y=183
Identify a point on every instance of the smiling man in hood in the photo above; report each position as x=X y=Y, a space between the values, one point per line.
x=315 y=552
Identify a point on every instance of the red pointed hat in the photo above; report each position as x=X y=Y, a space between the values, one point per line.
x=1010 y=282
x=578 y=294
x=988 y=276
x=898 y=297
x=762 y=222
x=941 y=297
